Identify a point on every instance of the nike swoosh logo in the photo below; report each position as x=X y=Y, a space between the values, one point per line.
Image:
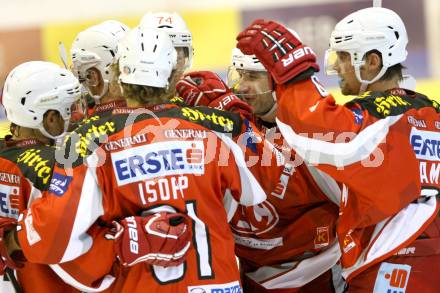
x=313 y=108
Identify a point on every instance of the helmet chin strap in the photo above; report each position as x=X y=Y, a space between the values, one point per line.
x=269 y=116
x=97 y=98
x=365 y=83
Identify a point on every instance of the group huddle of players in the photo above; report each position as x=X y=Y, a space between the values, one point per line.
x=130 y=173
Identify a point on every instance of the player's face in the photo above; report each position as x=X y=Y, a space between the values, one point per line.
x=348 y=82
x=181 y=60
x=253 y=88
x=178 y=72
x=94 y=81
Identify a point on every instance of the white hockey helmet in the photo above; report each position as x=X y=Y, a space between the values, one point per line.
x=146 y=57
x=246 y=62
x=373 y=28
x=176 y=28
x=33 y=88
x=97 y=47
x=241 y=61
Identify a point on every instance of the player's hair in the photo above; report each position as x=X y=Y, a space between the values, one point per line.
x=145 y=95
x=392 y=71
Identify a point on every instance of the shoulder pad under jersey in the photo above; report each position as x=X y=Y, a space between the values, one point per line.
x=384 y=104
x=86 y=138
x=96 y=129
x=210 y=118
x=213 y=119
x=35 y=162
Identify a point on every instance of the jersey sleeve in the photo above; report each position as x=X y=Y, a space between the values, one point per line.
x=352 y=146
x=54 y=228
x=242 y=184
x=93 y=271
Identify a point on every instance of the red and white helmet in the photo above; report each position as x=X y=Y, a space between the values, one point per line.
x=146 y=57
x=176 y=28
x=33 y=88
x=97 y=47
x=373 y=28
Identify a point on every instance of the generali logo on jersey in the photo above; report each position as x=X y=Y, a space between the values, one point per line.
x=125 y=142
x=416 y=122
x=185 y=133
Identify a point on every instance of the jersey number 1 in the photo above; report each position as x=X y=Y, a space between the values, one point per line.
x=202 y=245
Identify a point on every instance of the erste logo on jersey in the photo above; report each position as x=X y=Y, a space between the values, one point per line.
x=9 y=201
x=158 y=159
x=392 y=278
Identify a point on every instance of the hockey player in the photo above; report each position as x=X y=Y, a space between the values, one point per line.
x=381 y=145
x=135 y=162
x=288 y=241
x=93 y=52
x=37 y=98
x=176 y=28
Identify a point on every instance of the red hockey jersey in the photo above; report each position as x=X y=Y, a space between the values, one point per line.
x=383 y=147
x=137 y=160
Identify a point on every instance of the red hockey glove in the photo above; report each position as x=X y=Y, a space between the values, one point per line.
x=205 y=88
x=158 y=239
x=278 y=49
x=6 y=261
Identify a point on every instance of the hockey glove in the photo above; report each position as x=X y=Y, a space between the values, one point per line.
x=279 y=49
x=6 y=261
x=205 y=88
x=160 y=239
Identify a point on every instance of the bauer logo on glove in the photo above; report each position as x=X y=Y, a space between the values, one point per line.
x=278 y=48
x=206 y=88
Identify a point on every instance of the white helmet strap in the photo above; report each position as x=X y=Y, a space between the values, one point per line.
x=365 y=83
x=269 y=115
x=98 y=97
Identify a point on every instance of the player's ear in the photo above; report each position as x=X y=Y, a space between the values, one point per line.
x=53 y=122
x=373 y=62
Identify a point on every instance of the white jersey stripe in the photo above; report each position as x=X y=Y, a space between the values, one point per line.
x=90 y=208
x=317 y=151
x=251 y=191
